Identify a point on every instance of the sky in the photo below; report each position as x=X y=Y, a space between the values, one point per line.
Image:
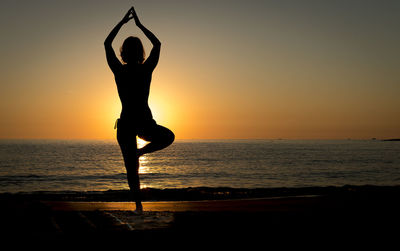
x=228 y=69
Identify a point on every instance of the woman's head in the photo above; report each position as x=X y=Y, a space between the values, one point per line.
x=132 y=51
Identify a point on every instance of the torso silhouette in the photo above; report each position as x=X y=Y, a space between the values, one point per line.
x=133 y=83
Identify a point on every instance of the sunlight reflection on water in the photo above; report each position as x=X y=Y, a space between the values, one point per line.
x=143 y=160
x=144 y=168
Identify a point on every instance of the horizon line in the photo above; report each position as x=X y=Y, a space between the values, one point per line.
x=184 y=139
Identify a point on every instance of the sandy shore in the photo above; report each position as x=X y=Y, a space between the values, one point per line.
x=278 y=204
x=371 y=213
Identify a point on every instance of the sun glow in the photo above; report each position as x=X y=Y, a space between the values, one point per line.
x=296 y=86
x=141 y=143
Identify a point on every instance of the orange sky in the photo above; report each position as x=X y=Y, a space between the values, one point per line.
x=228 y=69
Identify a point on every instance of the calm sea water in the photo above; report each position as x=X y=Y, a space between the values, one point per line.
x=53 y=165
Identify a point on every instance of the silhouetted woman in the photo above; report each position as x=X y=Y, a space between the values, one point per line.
x=133 y=79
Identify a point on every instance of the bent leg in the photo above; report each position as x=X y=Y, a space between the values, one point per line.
x=159 y=137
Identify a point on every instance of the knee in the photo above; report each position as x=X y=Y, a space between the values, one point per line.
x=170 y=137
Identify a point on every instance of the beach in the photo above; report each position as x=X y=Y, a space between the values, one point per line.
x=332 y=213
x=201 y=192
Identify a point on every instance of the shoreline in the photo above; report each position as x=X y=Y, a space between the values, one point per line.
x=200 y=193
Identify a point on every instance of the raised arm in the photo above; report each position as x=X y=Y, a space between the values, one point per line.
x=112 y=59
x=152 y=60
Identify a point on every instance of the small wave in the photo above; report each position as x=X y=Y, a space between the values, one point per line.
x=155 y=175
x=51 y=178
x=212 y=193
x=103 y=176
x=19 y=177
x=207 y=159
x=34 y=177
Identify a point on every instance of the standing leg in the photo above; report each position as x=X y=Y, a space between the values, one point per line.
x=159 y=137
x=127 y=143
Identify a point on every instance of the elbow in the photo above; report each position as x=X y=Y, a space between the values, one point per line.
x=157 y=44
x=107 y=43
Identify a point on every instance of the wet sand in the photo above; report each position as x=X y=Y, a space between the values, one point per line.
x=278 y=204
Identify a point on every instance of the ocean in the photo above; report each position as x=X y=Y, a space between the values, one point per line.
x=97 y=165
